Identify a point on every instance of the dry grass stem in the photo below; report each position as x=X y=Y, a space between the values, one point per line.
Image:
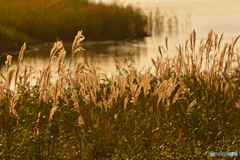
x=2 y=88
x=20 y=57
x=38 y=119
x=44 y=84
x=13 y=102
x=26 y=74
x=160 y=51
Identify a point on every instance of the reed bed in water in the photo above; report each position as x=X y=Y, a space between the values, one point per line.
x=176 y=110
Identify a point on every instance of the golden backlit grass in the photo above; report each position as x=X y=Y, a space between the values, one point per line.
x=180 y=109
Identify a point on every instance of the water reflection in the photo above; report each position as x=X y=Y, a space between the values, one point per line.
x=167 y=22
x=100 y=53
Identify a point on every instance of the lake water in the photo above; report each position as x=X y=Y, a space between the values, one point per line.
x=181 y=17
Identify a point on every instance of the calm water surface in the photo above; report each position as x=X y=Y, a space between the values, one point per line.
x=180 y=18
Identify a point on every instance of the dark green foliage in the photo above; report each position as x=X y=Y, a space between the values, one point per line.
x=44 y=20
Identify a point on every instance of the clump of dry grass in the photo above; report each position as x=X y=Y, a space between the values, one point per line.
x=181 y=97
x=163 y=89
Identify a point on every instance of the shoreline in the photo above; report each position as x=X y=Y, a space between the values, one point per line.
x=29 y=48
x=13 y=49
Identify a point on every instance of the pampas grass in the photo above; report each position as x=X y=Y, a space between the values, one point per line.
x=20 y=57
x=8 y=62
x=158 y=113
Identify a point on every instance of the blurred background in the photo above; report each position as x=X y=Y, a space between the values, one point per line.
x=113 y=28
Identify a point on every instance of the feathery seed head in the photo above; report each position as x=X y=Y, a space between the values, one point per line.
x=78 y=67
x=61 y=57
x=80 y=120
x=76 y=43
x=238 y=104
x=20 y=57
x=56 y=47
x=10 y=75
x=53 y=110
x=8 y=62
x=192 y=104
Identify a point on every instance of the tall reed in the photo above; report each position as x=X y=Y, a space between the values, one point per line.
x=180 y=109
